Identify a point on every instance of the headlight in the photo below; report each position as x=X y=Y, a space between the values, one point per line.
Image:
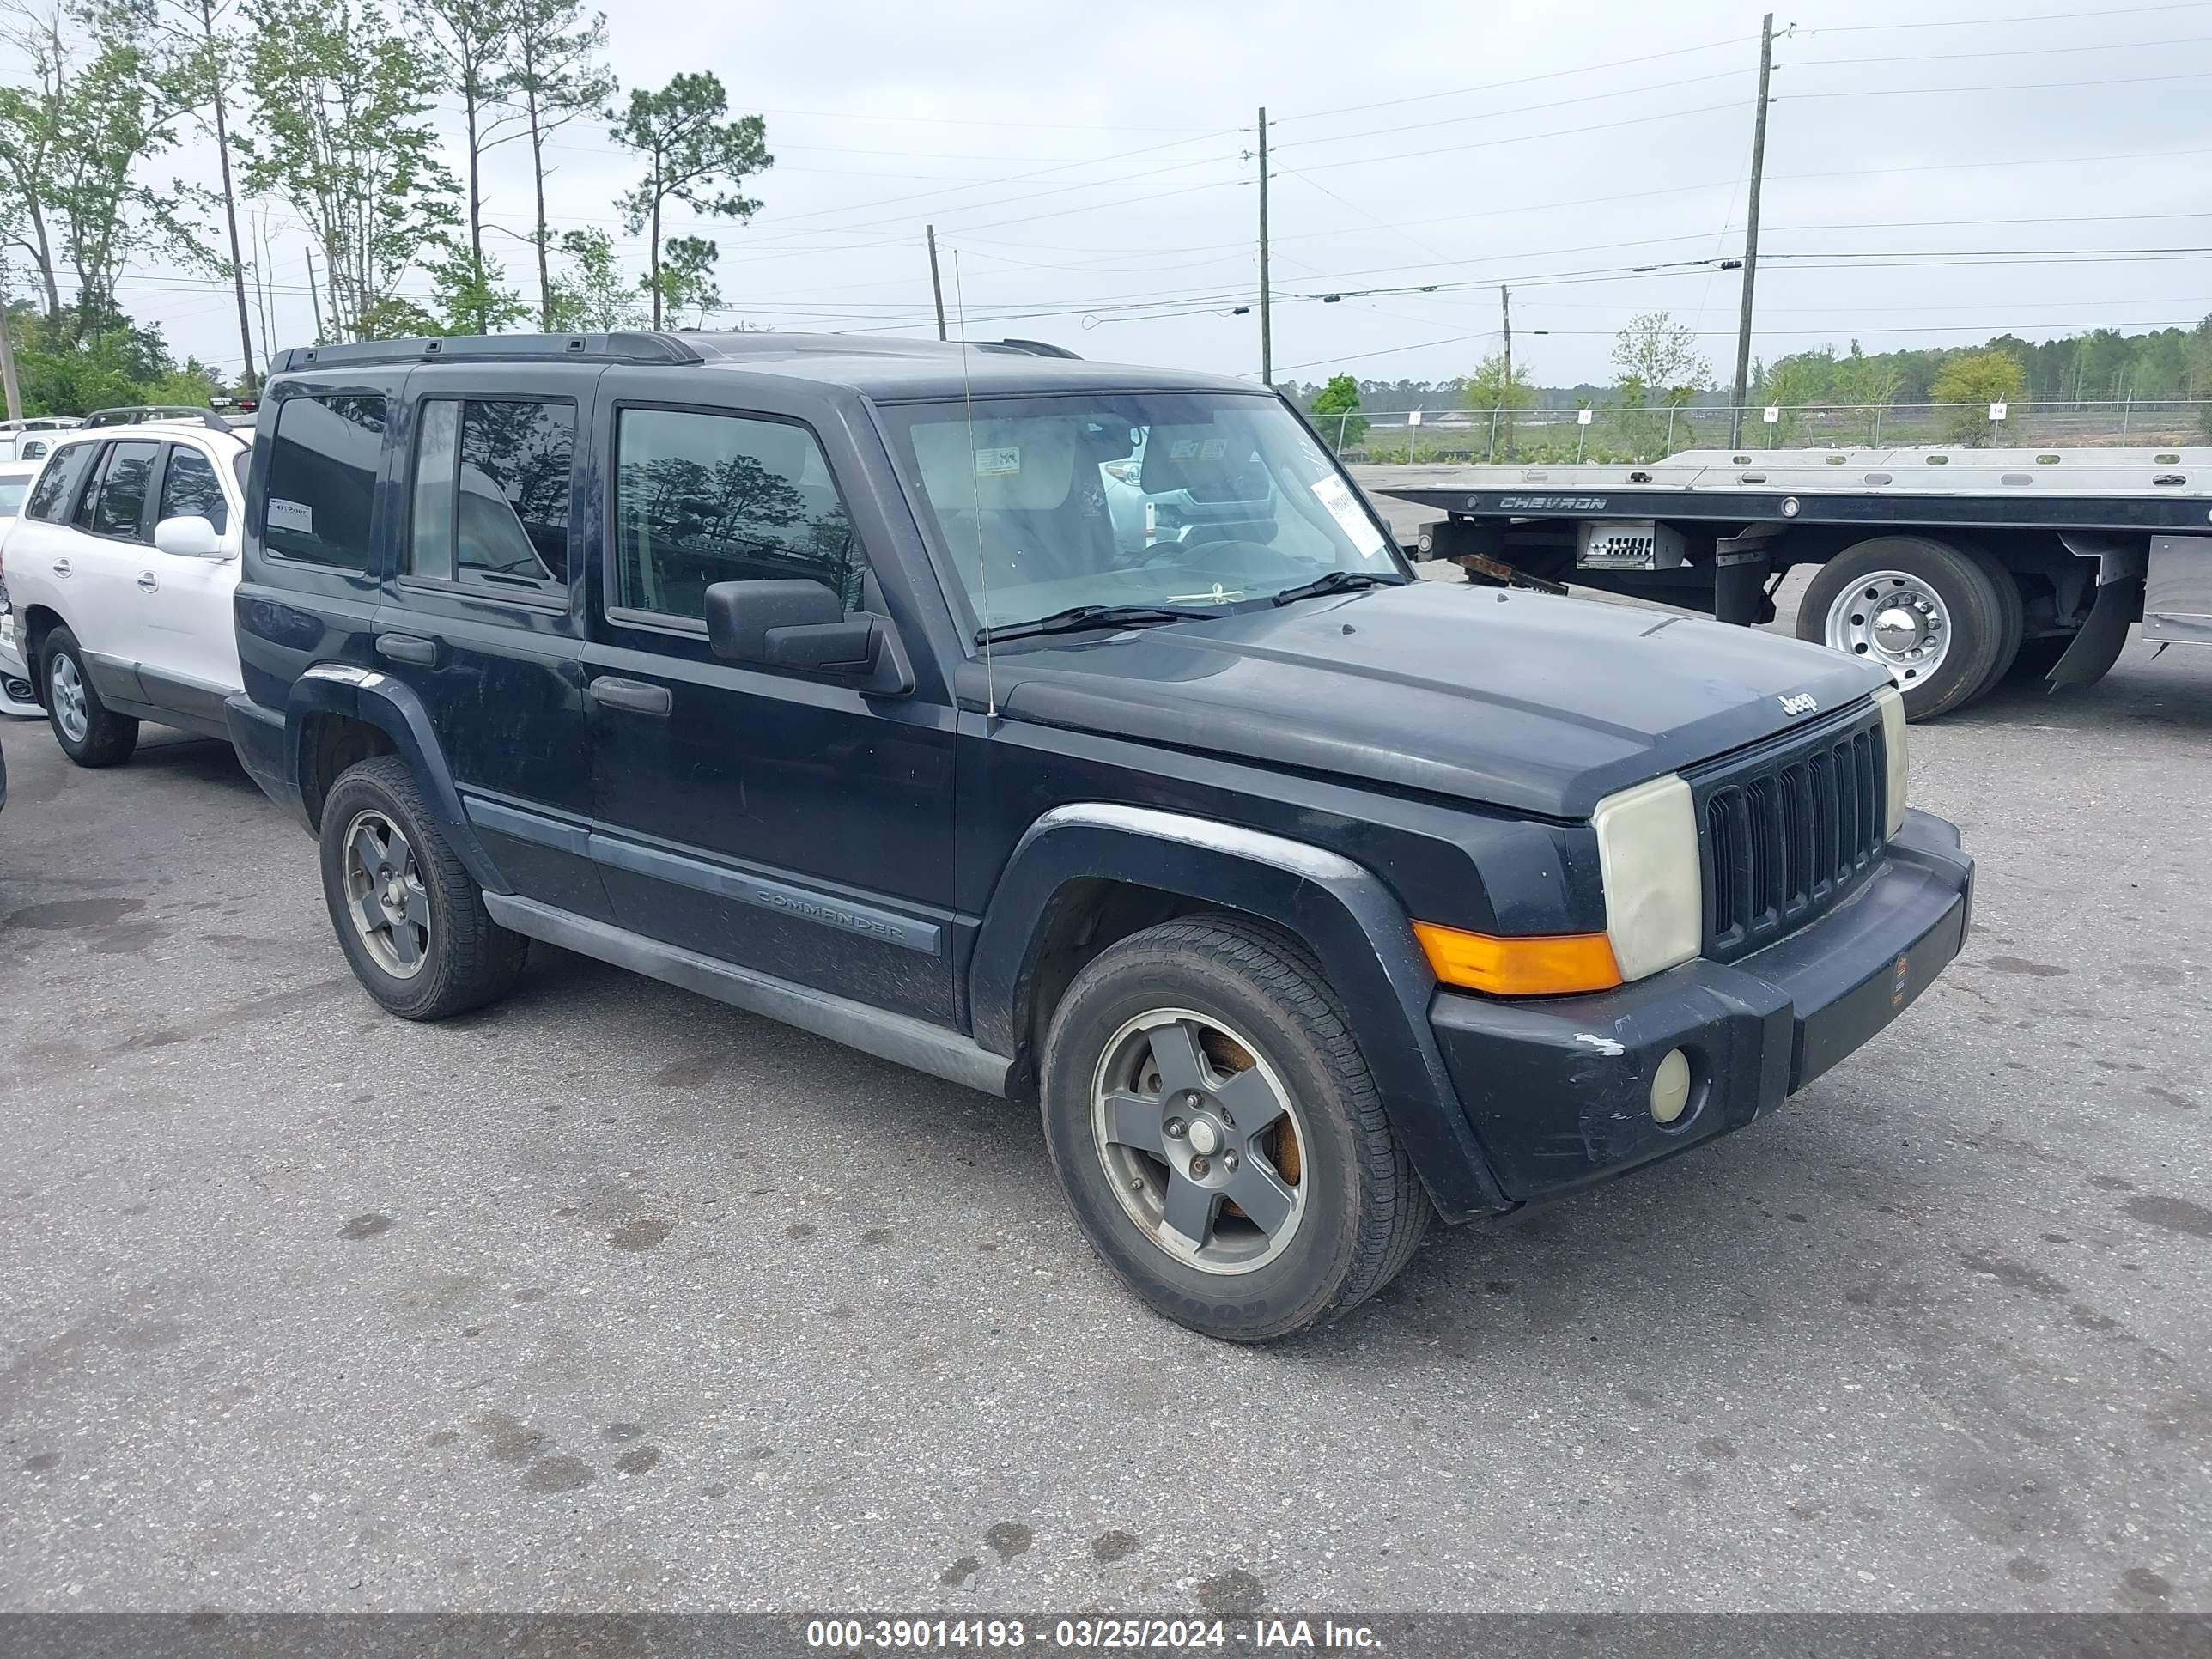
x=1896 y=771
x=1647 y=850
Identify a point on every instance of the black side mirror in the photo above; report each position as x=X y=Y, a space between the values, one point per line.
x=790 y=624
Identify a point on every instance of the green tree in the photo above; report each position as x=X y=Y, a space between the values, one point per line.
x=473 y=43
x=1657 y=356
x=470 y=293
x=555 y=73
x=692 y=155
x=1974 y=381
x=1494 y=387
x=209 y=52
x=594 y=296
x=341 y=99
x=1335 y=409
x=1870 y=385
x=99 y=91
x=687 y=277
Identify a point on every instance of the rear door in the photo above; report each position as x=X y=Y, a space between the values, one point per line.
x=480 y=616
x=101 y=558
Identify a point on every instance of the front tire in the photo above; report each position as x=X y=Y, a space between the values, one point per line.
x=1945 y=620
x=1218 y=1135
x=409 y=916
x=88 y=730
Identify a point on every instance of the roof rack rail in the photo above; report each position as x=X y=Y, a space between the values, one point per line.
x=1040 y=349
x=619 y=347
x=132 y=414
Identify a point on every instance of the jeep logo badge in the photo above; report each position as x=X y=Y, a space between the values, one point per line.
x=1802 y=703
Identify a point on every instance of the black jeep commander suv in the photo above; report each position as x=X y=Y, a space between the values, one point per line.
x=833 y=678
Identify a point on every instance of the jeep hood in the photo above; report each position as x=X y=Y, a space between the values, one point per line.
x=1519 y=700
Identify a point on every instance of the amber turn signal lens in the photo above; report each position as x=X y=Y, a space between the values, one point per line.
x=1552 y=964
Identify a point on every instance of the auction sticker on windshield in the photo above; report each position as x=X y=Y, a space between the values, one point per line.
x=1336 y=495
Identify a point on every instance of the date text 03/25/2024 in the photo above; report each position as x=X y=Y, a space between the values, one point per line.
x=1086 y=1635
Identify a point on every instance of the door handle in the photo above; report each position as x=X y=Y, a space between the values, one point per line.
x=633 y=696
x=61 y=567
x=405 y=648
x=146 y=582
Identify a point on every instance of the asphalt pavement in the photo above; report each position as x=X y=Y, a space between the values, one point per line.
x=614 y=1297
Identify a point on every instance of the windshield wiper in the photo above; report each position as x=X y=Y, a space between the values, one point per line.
x=1077 y=617
x=1336 y=582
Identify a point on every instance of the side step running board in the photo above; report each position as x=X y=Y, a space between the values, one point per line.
x=899 y=1038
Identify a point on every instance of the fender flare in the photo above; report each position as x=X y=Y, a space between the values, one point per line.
x=1342 y=912
x=376 y=699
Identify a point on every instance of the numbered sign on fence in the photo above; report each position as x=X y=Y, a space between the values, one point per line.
x=1773 y=414
x=1581 y=417
x=1997 y=411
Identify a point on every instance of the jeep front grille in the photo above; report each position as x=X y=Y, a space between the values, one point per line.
x=1788 y=829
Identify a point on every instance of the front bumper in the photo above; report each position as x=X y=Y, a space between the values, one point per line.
x=1558 y=1089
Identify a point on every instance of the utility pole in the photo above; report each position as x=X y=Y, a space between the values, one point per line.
x=1505 y=391
x=936 y=286
x=1505 y=307
x=1266 y=318
x=1751 y=232
x=7 y=355
x=315 y=294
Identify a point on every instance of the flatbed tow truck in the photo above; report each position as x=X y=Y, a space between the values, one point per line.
x=1952 y=568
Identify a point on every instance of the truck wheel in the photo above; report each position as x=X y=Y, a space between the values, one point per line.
x=1945 y=620
x=89 y=731
x=1219 y=1134
x=409 y=916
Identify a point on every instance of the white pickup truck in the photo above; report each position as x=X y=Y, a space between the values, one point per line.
x=116 y=583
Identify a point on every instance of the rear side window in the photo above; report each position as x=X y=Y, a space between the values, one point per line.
x=119 y=507
x=191 y=489
x=55 y=493
x=492 y=485
x=700 y=499
x=322 y=478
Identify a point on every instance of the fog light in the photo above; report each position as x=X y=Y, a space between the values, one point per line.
x=1670 y=1086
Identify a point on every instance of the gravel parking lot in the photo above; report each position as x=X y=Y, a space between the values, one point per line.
x=614 y=1297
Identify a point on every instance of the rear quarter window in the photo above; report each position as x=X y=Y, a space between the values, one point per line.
x=323 y=459
x=55 y=493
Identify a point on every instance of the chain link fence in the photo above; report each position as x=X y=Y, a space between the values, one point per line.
x=1454 y=437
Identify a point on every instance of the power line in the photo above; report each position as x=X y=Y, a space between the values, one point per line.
x=1991 y=23
x=1518 y=81
x=2006 y=86
x=1518 y=109
x=2009 y=52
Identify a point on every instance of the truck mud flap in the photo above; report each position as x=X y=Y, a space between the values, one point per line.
x=2097 y=646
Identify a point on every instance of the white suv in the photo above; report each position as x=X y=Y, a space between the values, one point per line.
x=118 y=575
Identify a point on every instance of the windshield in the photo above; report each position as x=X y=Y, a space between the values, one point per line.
x=1179 y=500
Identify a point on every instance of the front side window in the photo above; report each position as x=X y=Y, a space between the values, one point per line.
x=322 y=478
x=700 y=499
x=55 y=493
x=119 y=507
x=492 y=487
x=1180 y=500
x=191 y=489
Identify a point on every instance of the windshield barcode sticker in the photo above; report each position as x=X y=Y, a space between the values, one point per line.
x=1336 y=495
x=1000 y=463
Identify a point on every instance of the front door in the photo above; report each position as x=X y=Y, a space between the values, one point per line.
x=478 y=616
x=783 y=821
x=189 y=645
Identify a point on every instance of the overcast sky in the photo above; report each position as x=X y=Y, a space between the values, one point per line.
x=1092 y=164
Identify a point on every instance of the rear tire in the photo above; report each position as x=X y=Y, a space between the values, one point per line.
x=409 y=916
x=1946 y=621
x=88 y=730
x=1201 y=1074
